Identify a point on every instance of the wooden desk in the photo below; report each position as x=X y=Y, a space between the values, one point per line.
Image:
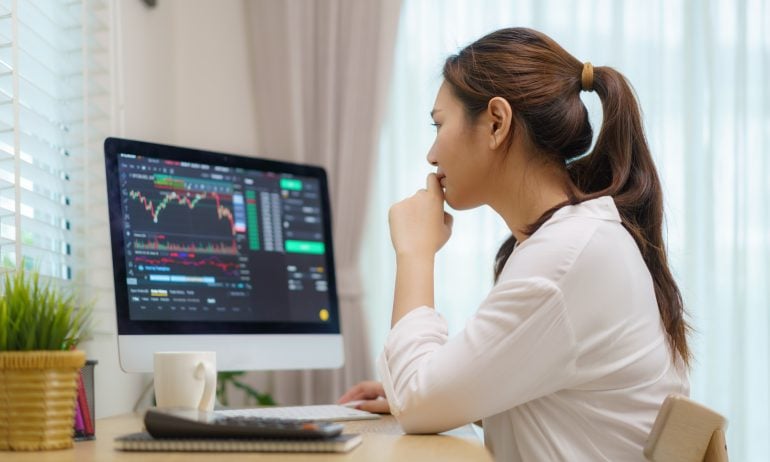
x=383 y=440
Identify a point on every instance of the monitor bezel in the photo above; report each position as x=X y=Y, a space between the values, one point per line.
x=126 y=326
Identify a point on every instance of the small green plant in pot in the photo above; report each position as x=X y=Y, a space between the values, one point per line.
x=40 y=326
x=234 y=378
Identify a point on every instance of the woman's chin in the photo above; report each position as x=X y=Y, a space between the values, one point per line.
x=456 y=204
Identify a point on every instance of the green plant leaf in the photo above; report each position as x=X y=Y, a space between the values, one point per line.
x=230 y=377
x=3 y=322
x=39 y=316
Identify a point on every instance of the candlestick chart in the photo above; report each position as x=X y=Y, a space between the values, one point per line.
x=182 y=229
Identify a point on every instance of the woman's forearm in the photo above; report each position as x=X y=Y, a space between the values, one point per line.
x=414 y=284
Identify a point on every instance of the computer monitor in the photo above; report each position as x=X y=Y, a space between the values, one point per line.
x=221 y=253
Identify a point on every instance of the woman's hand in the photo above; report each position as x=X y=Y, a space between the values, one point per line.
x=418 y=224
x=419 y=227
x=371 y=393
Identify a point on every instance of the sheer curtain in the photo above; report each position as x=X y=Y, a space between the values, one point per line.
x=320 y=73
x=700 y=70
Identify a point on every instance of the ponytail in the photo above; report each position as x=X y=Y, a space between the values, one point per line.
x=621 y=166
x=542 y=82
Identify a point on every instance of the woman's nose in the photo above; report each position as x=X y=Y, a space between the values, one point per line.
x=431 y=158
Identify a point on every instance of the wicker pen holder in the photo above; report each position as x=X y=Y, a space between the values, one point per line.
x=37 y=398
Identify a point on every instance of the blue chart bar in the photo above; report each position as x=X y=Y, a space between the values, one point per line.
x=181 y=278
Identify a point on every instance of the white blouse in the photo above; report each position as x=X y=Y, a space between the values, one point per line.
x=566 y=359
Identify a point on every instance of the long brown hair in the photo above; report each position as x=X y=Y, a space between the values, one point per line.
x=542 y=83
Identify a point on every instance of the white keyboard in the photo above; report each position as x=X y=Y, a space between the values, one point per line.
x=323 y=412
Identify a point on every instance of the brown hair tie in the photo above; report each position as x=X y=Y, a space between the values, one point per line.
x=587 y=77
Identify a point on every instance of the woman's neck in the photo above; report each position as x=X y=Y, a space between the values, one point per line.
x=526 y=192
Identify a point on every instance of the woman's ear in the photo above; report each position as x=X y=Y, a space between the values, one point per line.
x=500 y=120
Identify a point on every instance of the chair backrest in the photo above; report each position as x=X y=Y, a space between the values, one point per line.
x=686 y=431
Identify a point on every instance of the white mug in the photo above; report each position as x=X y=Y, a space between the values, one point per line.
x=185 y=379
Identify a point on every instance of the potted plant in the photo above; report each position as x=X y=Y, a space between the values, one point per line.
x=252 y=395
x=40 y=326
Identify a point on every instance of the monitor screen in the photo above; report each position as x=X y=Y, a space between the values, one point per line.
x=207 y=243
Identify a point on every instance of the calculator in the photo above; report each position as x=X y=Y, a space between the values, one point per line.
x=185 y=423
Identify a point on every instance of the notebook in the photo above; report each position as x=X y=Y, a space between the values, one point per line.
x=143 y=441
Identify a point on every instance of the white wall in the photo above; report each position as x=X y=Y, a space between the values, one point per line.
x=182 y=77
x=185 y=74
x=213 y=98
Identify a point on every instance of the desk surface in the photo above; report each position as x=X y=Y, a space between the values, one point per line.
x=383 y=440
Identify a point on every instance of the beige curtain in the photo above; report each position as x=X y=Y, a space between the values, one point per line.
x=321 y=71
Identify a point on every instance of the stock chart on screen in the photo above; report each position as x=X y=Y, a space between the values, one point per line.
x=211 y=242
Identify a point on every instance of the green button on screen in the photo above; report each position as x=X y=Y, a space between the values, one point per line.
x=291 y=184
x=310 y=247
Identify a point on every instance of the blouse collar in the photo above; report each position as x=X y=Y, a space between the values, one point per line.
x=602 y=208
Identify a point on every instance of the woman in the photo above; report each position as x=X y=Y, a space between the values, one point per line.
x=583 y=334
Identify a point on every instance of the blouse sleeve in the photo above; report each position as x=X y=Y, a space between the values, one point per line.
x=518 y=346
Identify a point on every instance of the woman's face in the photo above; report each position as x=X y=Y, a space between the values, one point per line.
x=459 y=152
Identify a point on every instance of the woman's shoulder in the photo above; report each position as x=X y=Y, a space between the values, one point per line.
x=554 y=248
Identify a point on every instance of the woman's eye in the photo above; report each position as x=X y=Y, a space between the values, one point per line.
x=437 y=125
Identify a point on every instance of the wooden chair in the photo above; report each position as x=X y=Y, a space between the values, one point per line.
x=686 y=431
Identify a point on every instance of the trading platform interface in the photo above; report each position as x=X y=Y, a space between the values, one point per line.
x=215 y=243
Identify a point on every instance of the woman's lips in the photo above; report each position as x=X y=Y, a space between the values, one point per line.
x=441 y=177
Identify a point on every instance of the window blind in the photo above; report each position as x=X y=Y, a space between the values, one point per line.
x=54 y=110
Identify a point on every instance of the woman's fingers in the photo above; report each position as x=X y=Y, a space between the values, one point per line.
x=378 y=406
x=418 y=224
x=363 y=390
x=448 y=220
x=433 y=186
x=350 y=395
